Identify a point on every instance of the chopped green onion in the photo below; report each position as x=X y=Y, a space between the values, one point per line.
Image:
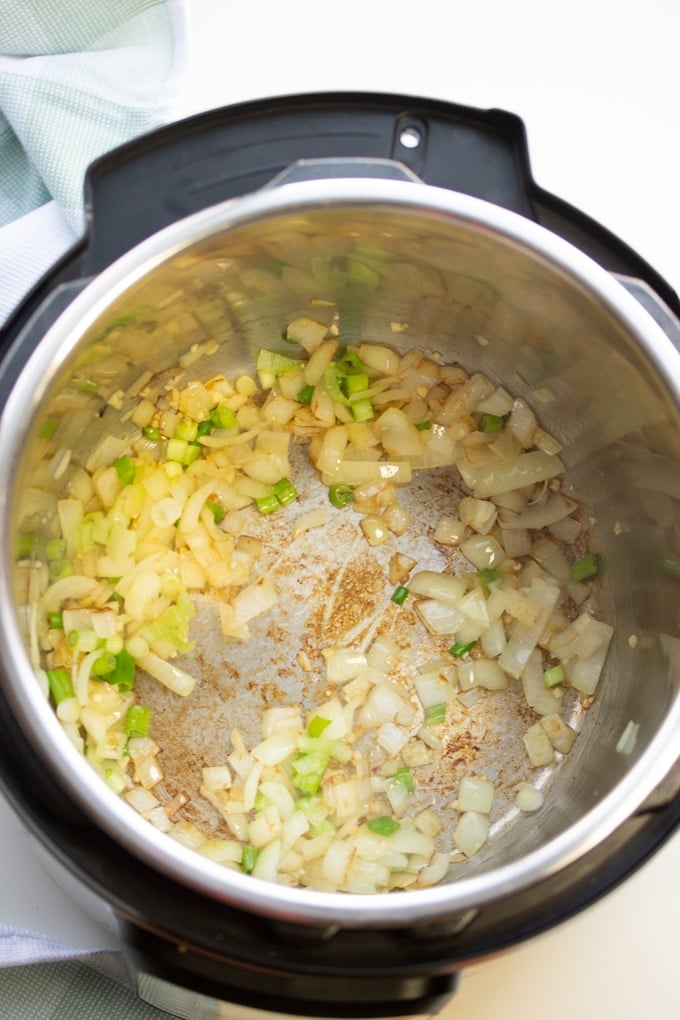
x=114 y=780
x=340 y=495
x=332 y=378
x=61 y=686
x=55 y=549
x=554 y=676
x=384 y=826
x=261 y=801
x=305 y=395
x=137 y=721
x=55 y=621
x=354 y=383
x=187 y=430
x=460 y=648
x=216 y=509
x=223 y=417
x=60 y=568
x=285 y=491
x=325 y=747
x=125 y=469
x=27 y=545
x=123 y=676
x=399 y=595
x=435 y=715
x=308 y=771
x=267 y=504
x=491 y=423
x=362 y=410
x=249 y=858
x=488 y=575
x=193 y=452
x=585 y=568
x=48 y=428
x=82 y=640
x=204 y=428
x=317 y=725
x=423 y=426
x=151 y=433
x=315 y=811
x=105 y=664
x=349 y=363
x=404 y=777
x=273 y=363
x=179 y=451
x=176 y=450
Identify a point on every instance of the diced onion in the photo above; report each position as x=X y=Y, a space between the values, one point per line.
x=471 y=832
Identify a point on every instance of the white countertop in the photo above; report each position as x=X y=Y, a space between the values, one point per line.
x=596 y=85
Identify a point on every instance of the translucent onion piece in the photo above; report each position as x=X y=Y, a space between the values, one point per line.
x=492 y=480
x=471 y=832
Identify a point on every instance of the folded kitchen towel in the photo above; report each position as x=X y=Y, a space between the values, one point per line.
x=42 y=980
x=76 y=80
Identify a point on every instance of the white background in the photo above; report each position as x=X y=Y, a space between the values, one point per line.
x=596 y=84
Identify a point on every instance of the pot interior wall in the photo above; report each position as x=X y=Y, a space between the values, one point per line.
x=487 y=303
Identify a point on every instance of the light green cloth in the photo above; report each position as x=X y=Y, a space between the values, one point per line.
x=77 y=78
x=88 y=987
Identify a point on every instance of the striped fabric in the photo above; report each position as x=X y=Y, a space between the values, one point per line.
x=76 y=80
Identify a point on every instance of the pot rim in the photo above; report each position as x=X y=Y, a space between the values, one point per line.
x=39 y=721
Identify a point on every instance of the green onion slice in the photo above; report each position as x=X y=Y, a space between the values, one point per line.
x=435 y=715
x=362 y=410
x=399 y=595
x=249 y=858
x=61 y=686
x=125 y=469
x=585 y=568
x=491 y=423
x=105 y=664
x=267 y=504
x=308 y=771
x=461 y=648
x=317 y=725
x=48 y=428
x=384 y=826
x=554 y=676
x=340 y=495
x=404 y=777
x=489 y=575
x=285 y=491
x=223 y=417
x=55 y=549
x=216 y=509
x=187 y=430
x=274 y=363
x=123 y=676
x=138 y=721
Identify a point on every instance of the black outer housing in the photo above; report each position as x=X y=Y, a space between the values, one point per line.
x=215 y=948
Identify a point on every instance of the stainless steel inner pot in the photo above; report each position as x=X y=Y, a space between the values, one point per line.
x=486 y=289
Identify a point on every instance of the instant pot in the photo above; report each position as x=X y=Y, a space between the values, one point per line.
x=452 y=190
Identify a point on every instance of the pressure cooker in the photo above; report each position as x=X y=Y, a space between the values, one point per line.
x=536 y=295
